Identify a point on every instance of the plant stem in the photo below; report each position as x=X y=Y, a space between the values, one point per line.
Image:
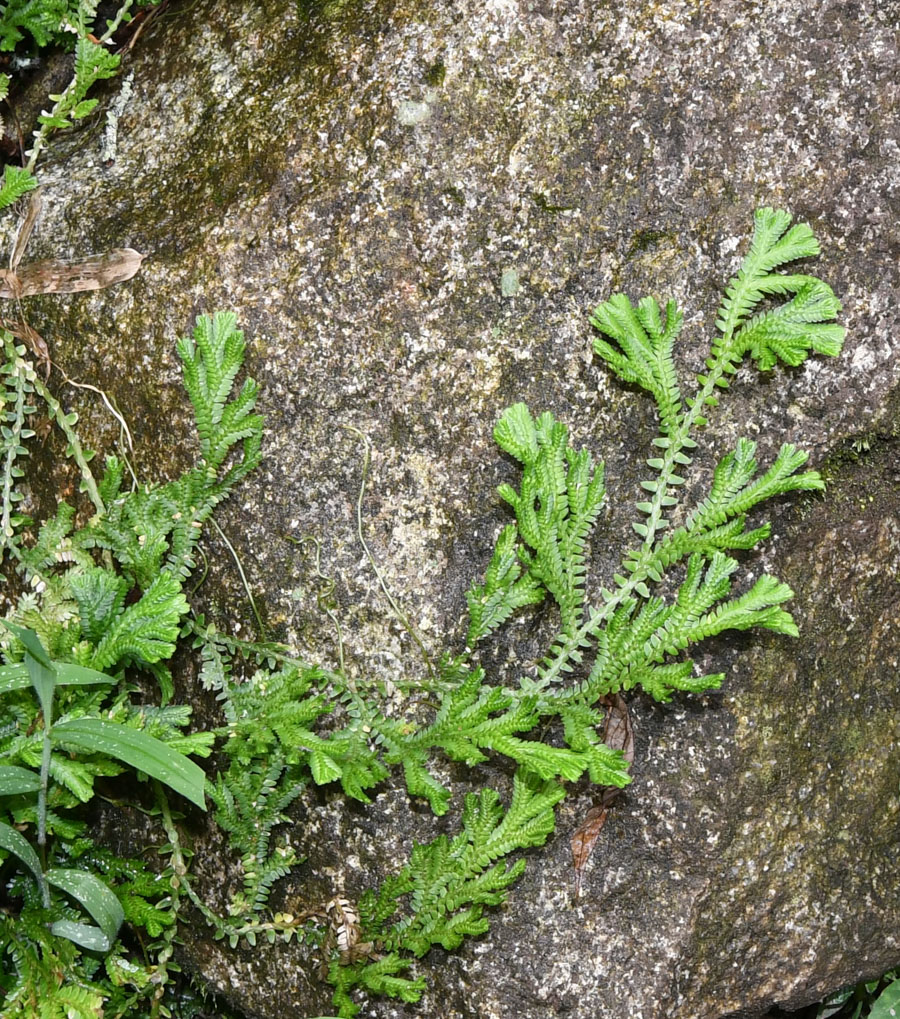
x=75 y=448
x=646 y=555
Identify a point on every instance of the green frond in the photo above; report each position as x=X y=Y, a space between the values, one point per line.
x=93 y=63
x=110 y=485
x=250 y=801
x=41 y=19
x=100 y=595
x=442 y=892
x=73 y=1001
x=211 y=360
x=344 y=979
x=734 y=493
x=644 y=353
x=505 y=589
x=147 y=630
x=78 y=776
x=16 y=181
x=560 y=498
x=420 y=782
x=16 y=394
x=774 y=243
x=361 y=770
x=661 y=681
x=141 y=913
x=758 y=607
x=530 y=818
x=515 y=432
x=789 y=332
x=380 y=977
x=167 y=520
x=581 y=726
x=270 y=708
x=53 y=545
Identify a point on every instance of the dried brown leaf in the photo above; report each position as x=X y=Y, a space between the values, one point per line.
x=62 y=276
x=23 y=331
x=619 y=735
x=617 y=731
x=26 y=227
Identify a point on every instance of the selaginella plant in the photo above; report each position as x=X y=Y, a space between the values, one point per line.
x=290 y=723
x=629 y=634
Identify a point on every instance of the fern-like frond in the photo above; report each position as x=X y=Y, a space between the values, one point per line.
x=775 y=243
x=560 y=498
x=582 y=726
x=147 y=630
x=447 y=883
x=504 y=590
x=78 y=776
x=16 y=392
x=212 y=359
x=168 y=520
x=643 y=356
x=272 y=709
x=250 y=801
x=93 y=63
x=661 y=681
x=41 y=19
x=100 y=595
x=789 y=332
x=760 y=606
x=16 y=182
x=734 y=493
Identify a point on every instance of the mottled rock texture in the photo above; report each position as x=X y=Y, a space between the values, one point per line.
x=411 y=206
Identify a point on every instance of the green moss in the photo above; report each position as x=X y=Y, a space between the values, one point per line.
x=436 y=73
x=545 y=205
x=644 y=240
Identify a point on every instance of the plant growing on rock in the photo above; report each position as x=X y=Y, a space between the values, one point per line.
x=40 y=23
x=108 y=596
x=104 y=602
x=629 y=635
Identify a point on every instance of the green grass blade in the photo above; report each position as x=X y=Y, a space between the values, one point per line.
x=96 y=897
x=140 y=750
x=15 y=780
x=15 y=677
x=40 y=668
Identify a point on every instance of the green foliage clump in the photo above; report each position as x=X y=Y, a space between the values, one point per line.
x=106 y=600
x=445 y=887
x=673 y=590
x=42 y=20
x=38 y=24
x=626 y=636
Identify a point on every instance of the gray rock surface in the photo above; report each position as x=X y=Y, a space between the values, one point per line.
x=411 y=206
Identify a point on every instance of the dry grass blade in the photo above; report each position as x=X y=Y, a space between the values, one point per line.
x=26 y=228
